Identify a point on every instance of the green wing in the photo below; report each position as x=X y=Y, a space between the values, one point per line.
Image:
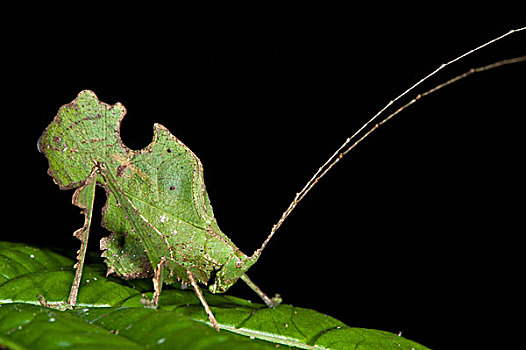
x=157 y=205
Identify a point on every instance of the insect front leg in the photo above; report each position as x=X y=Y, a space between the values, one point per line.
x=270 y=302
x=199 y=294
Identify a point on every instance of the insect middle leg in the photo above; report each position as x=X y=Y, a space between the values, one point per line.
x=203 y=301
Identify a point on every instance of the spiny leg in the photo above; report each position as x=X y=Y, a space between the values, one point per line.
x=157 y=286
x=83 y=198
x=157 y=282
x=270 y=302
x=203 y=301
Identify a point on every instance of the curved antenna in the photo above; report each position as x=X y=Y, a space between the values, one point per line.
x=345 y=148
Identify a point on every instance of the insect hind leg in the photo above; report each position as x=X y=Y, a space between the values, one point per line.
x=84 y=198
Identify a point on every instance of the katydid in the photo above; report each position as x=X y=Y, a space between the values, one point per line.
x=157 y=209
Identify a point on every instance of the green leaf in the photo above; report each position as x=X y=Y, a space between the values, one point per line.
x=109 y=314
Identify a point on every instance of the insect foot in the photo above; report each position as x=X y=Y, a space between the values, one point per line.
x=275 y=301
x=146 y=302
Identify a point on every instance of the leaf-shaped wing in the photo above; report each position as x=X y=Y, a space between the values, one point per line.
x=157 y=204
x=83 y=133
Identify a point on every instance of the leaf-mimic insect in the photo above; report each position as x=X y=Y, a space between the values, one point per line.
x=157 y=208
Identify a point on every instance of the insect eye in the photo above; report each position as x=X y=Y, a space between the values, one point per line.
x=239 y=263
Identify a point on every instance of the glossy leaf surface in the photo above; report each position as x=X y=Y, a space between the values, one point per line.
x=109 y=314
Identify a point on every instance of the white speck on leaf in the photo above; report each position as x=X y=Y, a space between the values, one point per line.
x=163 y=218
x=160 y=341
x=52 y=319
x=32 y=256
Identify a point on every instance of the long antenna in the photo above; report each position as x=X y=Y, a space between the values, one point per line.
x=347 y=146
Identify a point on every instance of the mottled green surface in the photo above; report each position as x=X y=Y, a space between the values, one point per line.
x=109 y=314
x=157 y=205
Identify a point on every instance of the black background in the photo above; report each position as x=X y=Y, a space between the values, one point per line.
x=418 y=230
